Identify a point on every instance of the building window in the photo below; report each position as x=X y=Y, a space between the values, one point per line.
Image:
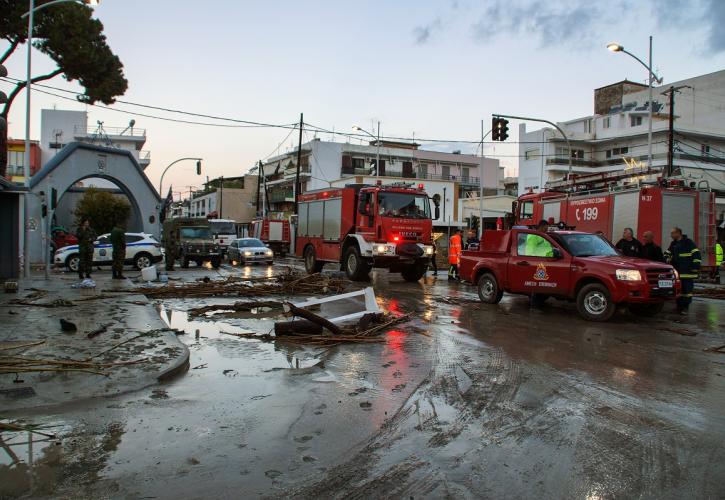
x=445 y=172
x=588 y=126
x=635 y=121
x=705 y=148
x=606 y=123
x=464 y=173
x=617 y=151
x=575 y=153
x=531 y=154
x=358 y=163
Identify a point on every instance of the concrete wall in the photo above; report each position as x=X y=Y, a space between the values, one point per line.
x=60 y=124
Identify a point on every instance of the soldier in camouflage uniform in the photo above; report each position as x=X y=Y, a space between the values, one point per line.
x=118 y=242
x=86 y=236
x=170 y=249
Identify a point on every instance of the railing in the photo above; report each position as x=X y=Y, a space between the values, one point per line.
x=413 y=175
x=144 y=155
x=279 y=196
x=114 y=131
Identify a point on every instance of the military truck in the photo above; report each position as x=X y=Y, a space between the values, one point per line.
x=194 y=241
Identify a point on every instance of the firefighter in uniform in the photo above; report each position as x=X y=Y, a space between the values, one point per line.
x=170 y=249
x=118 y=243
x=685 y=257
x=86 y=236
x=454 y=254
x=718 y=261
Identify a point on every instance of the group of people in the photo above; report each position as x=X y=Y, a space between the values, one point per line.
x=86 y=239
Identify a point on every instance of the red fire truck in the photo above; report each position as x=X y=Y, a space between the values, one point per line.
x=656 y=207
x=365 y=226
x=274 y=233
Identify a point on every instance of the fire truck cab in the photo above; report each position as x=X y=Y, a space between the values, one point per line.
x=365 y=226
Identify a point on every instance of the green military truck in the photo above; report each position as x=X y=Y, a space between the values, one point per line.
x=191 y=240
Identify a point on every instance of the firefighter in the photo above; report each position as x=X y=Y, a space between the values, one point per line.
x=629 y=245
x=718 y=261
x=685 y=257
x=650 y=249
x=118 y=244
x=86 y=236
x=454 y=254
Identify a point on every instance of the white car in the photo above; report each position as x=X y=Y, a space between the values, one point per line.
x=248 y=250
x=142 y=250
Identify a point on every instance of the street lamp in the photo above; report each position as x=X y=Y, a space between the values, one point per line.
x=26 y=168
x=377 y=142
x=616 y=47
x=198 y=170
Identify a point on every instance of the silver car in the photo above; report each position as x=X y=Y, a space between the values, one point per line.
x=248 y=250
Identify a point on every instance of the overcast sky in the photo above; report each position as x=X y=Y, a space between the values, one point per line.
x=424 y=68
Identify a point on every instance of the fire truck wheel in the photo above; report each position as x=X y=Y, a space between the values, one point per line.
x=646 y=310
x=414 y=272
x=312 y=265
x=594 y=302
x=488 y=289
x=355 y=267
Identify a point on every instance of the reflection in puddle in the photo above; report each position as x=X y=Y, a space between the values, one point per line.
x=214 y=344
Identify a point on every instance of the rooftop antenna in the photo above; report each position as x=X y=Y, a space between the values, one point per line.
x=130 y=126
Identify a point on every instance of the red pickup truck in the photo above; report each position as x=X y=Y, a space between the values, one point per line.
x=569 y=265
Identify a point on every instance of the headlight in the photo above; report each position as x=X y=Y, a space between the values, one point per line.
x=429 y=250
x=270 y=252
x=677 y=274
x=628 y=275
x=247 y=253
x=382 y=248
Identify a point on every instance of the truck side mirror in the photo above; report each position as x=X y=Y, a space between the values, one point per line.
x=437 y=212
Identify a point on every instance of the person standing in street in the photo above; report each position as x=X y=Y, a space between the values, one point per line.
x=685 y=257
x=629 y=245
x=718 y=261
x=86 y=236
x=472 y=239
x=118 y=243
x=650 y=249
x=170 y=249
x=455 y=245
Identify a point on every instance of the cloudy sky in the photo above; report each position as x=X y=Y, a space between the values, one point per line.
x=428 y=69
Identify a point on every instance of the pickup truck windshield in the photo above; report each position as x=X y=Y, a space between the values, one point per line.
x=587 y=245
x=198 y=233
x=404 y=205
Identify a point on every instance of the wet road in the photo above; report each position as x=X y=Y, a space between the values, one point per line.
x=466 y=400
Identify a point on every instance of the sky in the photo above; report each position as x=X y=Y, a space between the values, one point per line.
x=424 y=69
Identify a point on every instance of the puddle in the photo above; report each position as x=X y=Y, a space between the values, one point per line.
x=214 y=347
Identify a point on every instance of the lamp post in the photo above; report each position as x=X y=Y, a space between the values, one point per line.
x=651 y=77
x=377 y=142
x=32 y=9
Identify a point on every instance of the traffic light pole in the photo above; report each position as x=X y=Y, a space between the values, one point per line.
x=526 y=118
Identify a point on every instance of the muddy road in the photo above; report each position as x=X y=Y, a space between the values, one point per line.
x=466 y=400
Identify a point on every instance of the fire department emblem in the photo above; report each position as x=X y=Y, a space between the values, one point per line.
x=540 y=273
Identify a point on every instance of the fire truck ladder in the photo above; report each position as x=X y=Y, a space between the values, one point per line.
x=605 y=177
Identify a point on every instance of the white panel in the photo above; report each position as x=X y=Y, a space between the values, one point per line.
x=678 y=210
x=302 y=219
x=275 y=231
x=314 y=219
x=626 y=212
x=552 y=210
x=333 y=212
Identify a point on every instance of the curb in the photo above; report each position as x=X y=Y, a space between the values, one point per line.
x=179 y=366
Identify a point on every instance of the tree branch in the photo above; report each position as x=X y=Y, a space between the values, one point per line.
x=13 y=45
x=20 y=86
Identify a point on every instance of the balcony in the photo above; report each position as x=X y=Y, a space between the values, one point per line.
x=280 y=196
x=144 y=158
x=466 y=181
x=102 y=134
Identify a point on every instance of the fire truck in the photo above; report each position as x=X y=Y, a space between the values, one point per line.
x=608 y=205
x=363 y=226
x=274 y=233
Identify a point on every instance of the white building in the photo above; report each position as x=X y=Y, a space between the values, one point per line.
x=614 y=138
x=59 y=127
x=451 y=175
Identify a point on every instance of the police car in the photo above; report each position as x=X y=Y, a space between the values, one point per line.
x=142 y=250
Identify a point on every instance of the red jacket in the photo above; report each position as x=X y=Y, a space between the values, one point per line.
x=454 y=249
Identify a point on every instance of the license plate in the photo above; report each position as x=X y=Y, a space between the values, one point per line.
x=664 y=283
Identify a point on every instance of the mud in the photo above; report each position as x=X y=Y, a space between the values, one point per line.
x=493 y=401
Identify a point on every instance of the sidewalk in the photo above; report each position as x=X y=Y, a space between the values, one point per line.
x=114 y=305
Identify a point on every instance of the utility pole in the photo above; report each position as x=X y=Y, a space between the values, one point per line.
x=480 y=180
x=299 y=161
x=259 y=182
x=221 y=196
x=671 y=135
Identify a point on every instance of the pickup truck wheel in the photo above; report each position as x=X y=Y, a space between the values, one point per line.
x=216 y=262
x=355 y=267
x=312 y=265
x=488 y=290
x=414 y=272
x=595 y=303
x=646 y=310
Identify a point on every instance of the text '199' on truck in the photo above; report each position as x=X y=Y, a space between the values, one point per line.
x=365 y=226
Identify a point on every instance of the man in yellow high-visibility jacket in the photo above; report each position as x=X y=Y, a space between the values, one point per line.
x=718 y=261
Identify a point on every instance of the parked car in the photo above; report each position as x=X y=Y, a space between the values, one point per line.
x=248 y=250
x=142 y=250
x=570 y=265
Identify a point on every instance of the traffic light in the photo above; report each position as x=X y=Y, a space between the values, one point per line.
x=499 y=129
x=198 y=167
x=53 y=198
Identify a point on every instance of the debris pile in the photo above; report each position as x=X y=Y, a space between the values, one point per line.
x=711 y=293
x=288 y=283
x=22 y=364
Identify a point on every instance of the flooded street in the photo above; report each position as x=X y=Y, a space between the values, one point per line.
x=465 y=400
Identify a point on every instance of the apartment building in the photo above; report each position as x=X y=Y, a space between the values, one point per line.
x=16 y=160
x=232 y=198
